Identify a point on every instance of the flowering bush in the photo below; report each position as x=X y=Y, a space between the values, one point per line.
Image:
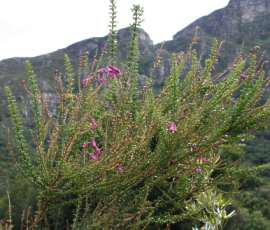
x=119 y=156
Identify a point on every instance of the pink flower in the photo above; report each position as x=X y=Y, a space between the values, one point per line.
x=97 y=153
x=85 y=145
x=172 y=127
x=95 y=147
x=95 y=156
x=93 y=124
x=110 y=72
x=113 y=71
x=120 y=168
x=243 y=77
x=94 y=144
x=198 y=170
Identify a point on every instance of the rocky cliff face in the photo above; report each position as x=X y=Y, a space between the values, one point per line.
x=248 y=10
x=242 y=25
x=229 y=23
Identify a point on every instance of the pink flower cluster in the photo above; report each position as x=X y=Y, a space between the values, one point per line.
x=120 y=168
x=198 y=170
x=97 y=151
x=243 y=77
x=172 y=127
x=105 y=73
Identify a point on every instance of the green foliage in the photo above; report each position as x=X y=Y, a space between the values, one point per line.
x=214 y=208
x=112 y=41
x=19 y=138
x=122 y=157
x=133 y=57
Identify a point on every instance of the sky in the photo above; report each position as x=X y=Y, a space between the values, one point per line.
x=34 y=27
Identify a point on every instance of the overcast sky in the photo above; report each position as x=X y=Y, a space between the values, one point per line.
x=34 y=27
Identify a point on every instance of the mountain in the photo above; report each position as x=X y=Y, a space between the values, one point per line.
x=241 y=22
x=241 y=25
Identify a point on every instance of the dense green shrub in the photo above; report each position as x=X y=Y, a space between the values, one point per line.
x=118 y=156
